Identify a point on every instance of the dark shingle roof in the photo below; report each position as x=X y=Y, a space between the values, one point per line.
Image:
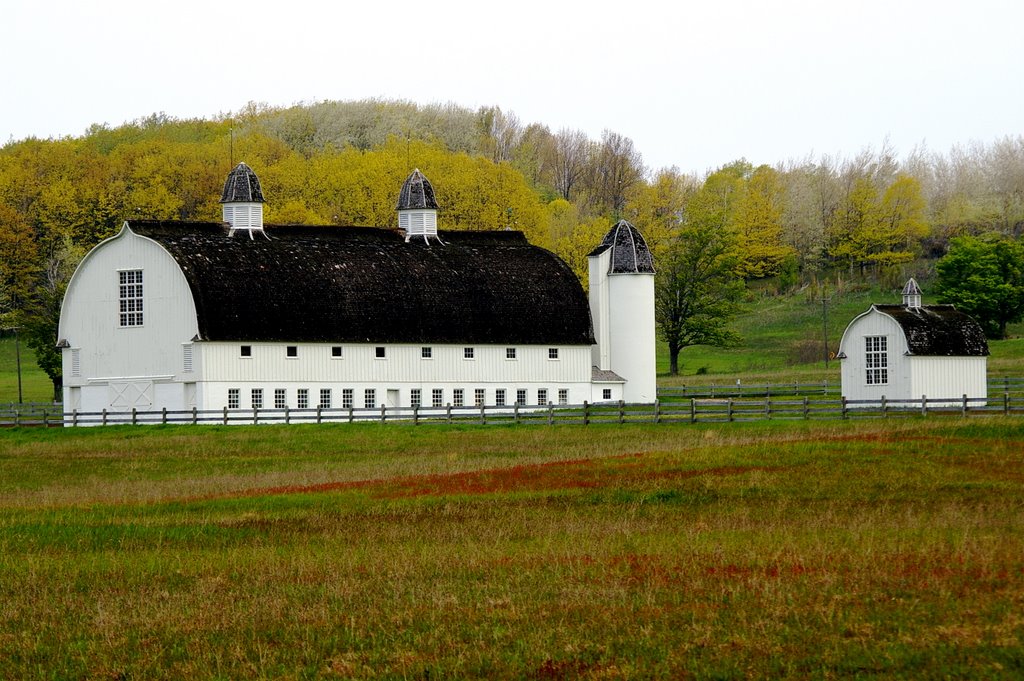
x=417 y=192
x=629 y=250
x=361 y=284
x=938 y=330
x=242 y=186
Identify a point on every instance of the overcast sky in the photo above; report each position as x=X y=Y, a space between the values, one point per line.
x=693 y=84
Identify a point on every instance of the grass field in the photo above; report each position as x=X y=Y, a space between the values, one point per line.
x=801 y=550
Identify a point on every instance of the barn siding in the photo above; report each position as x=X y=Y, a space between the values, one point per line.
x=854 y=371
x=949 y=377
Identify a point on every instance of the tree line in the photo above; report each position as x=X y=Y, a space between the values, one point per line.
x=341 y=163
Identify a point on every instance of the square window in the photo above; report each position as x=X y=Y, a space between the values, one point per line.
x=458 y=397
x=468 y=353
x=426 y=352
x=234 y=398
x=510 y=353
x=606 y=394
x=257 y=398
x=379 y=353
x=245 y=351
x=280 y=398
x=347 y=399
x=325 y=398
x=499 y=397
x=336 y=351
x=291 y=351
x=302 y=398
x=437 y=397
x=552 y=353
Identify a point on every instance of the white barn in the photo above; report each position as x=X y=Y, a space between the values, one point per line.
x=242 y=315
x=904 y=352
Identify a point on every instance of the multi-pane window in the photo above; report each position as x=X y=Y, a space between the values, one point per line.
x=563 y=396
x=479 y=395
x=542 y=395
x=302 y=398
x=336 y=351
x=130 y=297
x=370 y=398
x=468 y=353
x=606 y=394
x=510 y=353
x=257 y=398
x=458 y=397
x=520 y=396
x=437 y=397
x=291 y=351
x=245 y=351
x=876 y=360
x=552 y=353
x=280 y=398
x=415 y=398
x=234 y=398
x=325 y=398
x=346 y=398
x=499 y=397
x=426 y=352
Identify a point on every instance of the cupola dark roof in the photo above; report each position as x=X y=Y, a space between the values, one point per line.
x=938 y=330
x=417 y=193
x=911 y=289
x=362 y=284
x=242 y=186
x=629 y=250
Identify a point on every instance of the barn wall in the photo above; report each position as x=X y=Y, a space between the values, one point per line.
x=116 y=367
x=949 y=377
x=854 y=371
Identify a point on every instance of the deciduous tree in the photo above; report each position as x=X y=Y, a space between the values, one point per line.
x=984 y=277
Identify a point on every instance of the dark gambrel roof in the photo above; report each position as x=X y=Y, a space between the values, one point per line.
x=938 y=330
x=242 y=186
x=629 y=250
x=361 y=284
x=417 y=192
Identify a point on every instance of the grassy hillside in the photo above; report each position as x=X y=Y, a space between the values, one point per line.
x=36 y=385
x=768 y=550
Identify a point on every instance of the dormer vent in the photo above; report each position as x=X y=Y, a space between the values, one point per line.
x=417 y=209
x=242 y=200
x=912 y=294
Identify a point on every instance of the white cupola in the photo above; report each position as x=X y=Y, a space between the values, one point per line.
x=242 y=200
x=912 y=294
x=417 y=209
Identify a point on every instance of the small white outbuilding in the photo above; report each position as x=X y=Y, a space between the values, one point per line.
x=904 y=352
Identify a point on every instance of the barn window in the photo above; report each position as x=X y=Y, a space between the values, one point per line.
x=336 y=351
x=370 y=398
x=379 y=352
x=563 y=396
x=552 y=353
x=458 y=397
x=302 y=398
x=245 y=351
x=280 y=398
x=499 y=397
x=234 y=398
x=426 y=352
x=876 y=360
x=468 y=353
x=606 y=394
x=542 y=395
x=437 y=397
x=257 y=398
x=479 y=395
x=415 y=398
x=346 y=398
x=291 y=351
x=325 y=398
x=520 y=396
x=510 y=353
x=130 y=297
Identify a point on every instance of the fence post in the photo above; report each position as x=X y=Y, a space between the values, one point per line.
x=104 y=419
x=730 y=409
x=515 y=412
x=483 y=417
x=622 y=412
x=351 y=415
x=807 y=411
x=551 y=414
x=163 y=416
x=17 y=417
x=924 y=405
x=843 y=401
x=586 y=413
x=134 y=416
x=46 y=419
x=416 y=415
x=383 y=413
x=74 y=418
x=448 y=414
x=693 y=410
x=1006 y=403
x=287 y=415
x=963 y=408
x=225 y=416
x=318 y=414
x=255 y=416
x=657 y=411
x=885 y=411
x=768 y=408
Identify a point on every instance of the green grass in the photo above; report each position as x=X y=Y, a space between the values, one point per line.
x=799 y=550
x=35 y=384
